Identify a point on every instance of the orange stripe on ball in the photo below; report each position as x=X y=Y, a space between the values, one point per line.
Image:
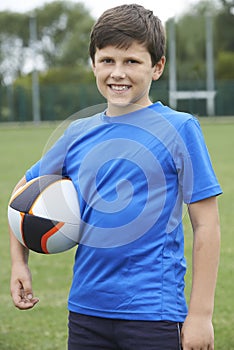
x=48 y=234
x=22 y=227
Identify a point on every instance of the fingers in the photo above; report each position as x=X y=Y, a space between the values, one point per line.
x=24 y=301
x=23 y=297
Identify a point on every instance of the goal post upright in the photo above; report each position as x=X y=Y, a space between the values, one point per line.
x=209 y=93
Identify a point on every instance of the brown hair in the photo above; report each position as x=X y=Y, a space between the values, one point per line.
x=121 y=25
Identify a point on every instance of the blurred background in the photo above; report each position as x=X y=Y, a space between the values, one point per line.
x=45 y=71
x=45 y=77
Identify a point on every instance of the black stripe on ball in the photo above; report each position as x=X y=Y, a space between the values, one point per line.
x=24 y=201
x=33 y=229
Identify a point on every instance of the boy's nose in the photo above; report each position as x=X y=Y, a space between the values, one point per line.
x=118 y=73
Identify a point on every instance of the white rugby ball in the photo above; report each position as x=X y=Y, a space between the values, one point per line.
x=44 y=214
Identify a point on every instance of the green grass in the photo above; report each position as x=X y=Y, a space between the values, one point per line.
x=219 y=133
x=45 y=327
x=220 y=139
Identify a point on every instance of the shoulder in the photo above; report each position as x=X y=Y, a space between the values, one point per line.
x=176 y=127
x=82 y=125
x=176 y=118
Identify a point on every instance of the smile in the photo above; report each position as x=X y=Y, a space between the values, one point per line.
x=119 y=87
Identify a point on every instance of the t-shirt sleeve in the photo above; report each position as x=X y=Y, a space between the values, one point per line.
x=52 y=162
x=196 y=175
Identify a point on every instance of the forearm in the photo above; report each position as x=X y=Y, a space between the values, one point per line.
x=19 y=253
x=206 y=249
x=197 y=331
x=21 y=280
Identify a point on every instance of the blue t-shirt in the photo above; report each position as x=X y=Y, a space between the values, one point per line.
x=132 y=174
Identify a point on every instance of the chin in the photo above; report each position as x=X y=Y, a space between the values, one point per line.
x=122 y=107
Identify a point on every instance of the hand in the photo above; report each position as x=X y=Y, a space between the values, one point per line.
x=197 y=333
x=21 y=287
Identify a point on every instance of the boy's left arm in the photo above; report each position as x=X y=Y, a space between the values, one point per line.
x=197 y=331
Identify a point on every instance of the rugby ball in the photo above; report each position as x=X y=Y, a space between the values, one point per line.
x=44 y=214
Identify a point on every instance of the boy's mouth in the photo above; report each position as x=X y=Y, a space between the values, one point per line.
x=119 y=87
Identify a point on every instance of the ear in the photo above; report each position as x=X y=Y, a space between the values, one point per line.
x=93 y=67
x=159 y=68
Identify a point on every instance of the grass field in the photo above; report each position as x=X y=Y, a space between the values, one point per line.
x=45 y=327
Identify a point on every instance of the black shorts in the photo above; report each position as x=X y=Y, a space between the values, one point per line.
x=91 y=333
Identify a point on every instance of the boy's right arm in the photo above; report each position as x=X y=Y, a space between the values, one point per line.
x=21 y=281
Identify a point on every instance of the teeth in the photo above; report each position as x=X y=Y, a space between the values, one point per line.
x=119 y=88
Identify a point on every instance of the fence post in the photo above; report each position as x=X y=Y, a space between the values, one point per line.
x=35 y=80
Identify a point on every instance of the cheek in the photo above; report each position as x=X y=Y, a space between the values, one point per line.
x=101 y=74
x=101 y=85
x=146 y=78
x=99 y=79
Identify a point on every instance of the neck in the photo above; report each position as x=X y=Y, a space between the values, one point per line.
x=114 y=110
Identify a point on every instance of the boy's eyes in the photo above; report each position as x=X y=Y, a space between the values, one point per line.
x=132 y=61
x=111 y=61
x=107 y=60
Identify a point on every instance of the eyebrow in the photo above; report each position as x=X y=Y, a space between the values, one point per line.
x=113 y=57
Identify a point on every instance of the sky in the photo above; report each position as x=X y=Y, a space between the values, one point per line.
x=164 y=9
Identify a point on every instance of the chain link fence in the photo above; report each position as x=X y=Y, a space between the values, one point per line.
x=58 y=102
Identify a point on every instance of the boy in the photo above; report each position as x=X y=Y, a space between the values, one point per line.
x=133 y=165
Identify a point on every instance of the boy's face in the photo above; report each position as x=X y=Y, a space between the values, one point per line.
x=124 y=77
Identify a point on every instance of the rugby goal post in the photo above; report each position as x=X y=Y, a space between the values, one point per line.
x=209 y=93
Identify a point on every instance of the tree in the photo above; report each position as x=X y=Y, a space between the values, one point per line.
x=63 y=29
x=14 y=38
x=227 y=4
x=191 y=41
x=224 y=30
x=225 y=27
x=63 y=34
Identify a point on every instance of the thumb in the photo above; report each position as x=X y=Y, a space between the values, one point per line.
x=26 y=288
x=27 y=292
x=27 y=298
